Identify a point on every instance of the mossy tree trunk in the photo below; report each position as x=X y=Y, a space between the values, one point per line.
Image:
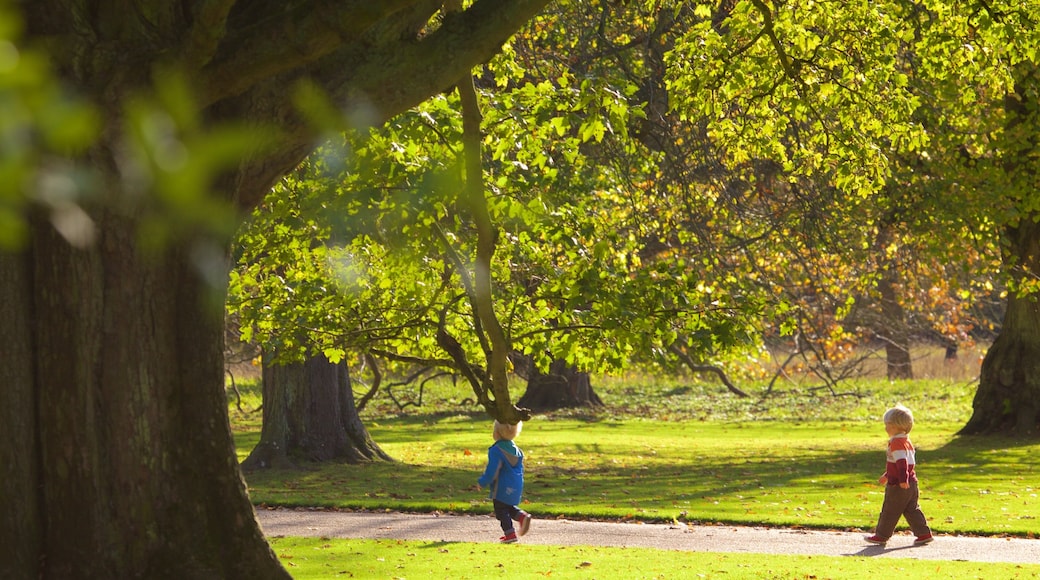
x=1008 y=397
x=309 y=415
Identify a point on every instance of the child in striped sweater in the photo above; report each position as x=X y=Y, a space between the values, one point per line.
x=900 y=481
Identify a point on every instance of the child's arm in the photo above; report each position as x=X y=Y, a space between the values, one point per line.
x=494 y=458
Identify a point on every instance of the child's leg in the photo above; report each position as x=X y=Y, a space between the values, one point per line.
x=913 y=514
x=891 y=510
x=523 y=517
x=515 y=512
x=503 y=512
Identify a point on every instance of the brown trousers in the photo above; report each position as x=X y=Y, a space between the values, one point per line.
x=901 y=502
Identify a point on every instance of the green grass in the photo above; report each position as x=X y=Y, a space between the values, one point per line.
x=321 y=558
x=638 y=462
x=666 y=450
x=816 y=475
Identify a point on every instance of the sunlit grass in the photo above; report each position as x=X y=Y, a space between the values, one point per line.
x=682 y=449
x=678 y=449
x=812 y=474
x=320 y=558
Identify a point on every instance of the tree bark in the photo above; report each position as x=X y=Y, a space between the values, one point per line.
x=122 y=463
x=1008 y=397
x=309 y=415
x=562 y=388
x=20 y=523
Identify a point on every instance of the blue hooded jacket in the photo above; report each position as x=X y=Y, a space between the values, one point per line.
x=504 y=473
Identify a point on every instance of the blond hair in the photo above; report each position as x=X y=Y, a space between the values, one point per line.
x=507 y=431
x=901 y=417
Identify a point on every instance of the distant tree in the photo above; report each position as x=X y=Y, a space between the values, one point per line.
x=309 y=415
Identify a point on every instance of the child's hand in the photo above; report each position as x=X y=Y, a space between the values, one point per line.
x=883 y=480
x=904 y=485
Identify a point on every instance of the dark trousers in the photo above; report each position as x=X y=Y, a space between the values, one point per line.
x=506 y=514
x=901 y=502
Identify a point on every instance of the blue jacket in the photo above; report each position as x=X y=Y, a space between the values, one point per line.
x=504 y=473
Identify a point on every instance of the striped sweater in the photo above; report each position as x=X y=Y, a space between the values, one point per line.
x=901 y=460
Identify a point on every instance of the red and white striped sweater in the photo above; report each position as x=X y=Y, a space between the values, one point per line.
x=901 y=460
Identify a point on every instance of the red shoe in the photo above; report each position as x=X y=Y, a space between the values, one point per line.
x=525 y=523
x=509 y=538
x=876 y=540
x=922 y=540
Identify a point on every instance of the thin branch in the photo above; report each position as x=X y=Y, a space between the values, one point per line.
x=467 y=285
x=702 y=368
x=785 y=61
x=377 y=379
x=429 y=362
x=476 y=376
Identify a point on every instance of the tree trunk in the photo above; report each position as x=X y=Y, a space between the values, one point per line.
x=117 y=453
x=894 y=329
x=309 y=415
x=21 y=525
x=1008 y=398
x=562 y=388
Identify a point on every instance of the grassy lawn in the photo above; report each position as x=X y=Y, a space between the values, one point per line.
x=315 y=558
x=811 y=475
x=655 y=462
x=663 y=451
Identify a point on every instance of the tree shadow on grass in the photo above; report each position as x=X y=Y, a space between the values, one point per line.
x=979 y=444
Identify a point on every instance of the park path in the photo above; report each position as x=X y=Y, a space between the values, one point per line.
x=695 y=538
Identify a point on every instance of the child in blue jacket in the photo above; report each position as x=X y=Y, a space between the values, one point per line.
x=505 y=477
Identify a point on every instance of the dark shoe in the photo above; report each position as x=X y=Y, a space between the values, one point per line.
x=876 y=540
x=922 y=540
x=525 y=523
x=509 y=538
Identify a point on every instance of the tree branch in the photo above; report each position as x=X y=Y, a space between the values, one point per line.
x=785 y=60
x=209 y=20
x=434 y=64
x=299 y=38
x=699 y=368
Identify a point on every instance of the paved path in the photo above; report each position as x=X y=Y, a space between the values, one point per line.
x=721 y=538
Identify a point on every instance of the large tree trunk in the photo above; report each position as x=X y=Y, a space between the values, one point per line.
x=309 y=415
x=562 y=388
x=117 y=453
x=1008 y=398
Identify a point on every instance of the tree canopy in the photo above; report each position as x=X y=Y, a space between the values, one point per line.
x=696 y=178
